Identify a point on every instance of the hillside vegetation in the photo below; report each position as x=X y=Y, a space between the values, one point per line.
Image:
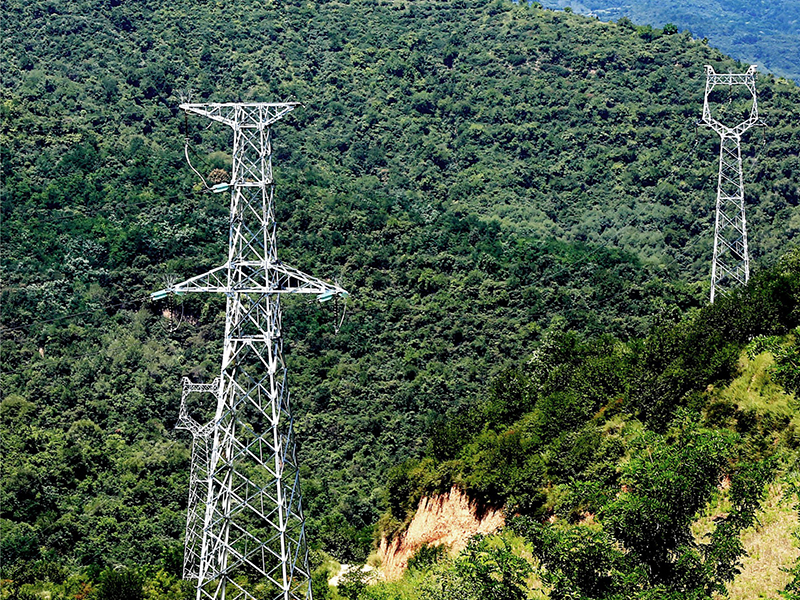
x=483 y=177
x=607 y=453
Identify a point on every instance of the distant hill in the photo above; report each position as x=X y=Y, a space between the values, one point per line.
x=763 y=33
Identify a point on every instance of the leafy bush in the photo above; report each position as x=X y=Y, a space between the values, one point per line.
x=426 y=556
x=125 y=584
x=641 y=544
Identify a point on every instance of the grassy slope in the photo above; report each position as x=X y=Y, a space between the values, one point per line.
x=771 y=548
x=770 y=543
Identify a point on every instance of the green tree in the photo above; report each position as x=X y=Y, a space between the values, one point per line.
x=491 y=569
x=644 y=545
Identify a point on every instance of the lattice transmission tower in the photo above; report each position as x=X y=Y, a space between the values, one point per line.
x=731 y=262
x=253 y=532
x=202 y=439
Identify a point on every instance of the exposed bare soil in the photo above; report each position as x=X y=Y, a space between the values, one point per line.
x=450 y=519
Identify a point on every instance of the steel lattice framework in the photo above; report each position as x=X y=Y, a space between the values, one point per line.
x=202 y=438
x=253 y=532
x=731 y=262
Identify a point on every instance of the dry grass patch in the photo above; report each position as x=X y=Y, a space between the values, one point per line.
x=771 y=548
x=754 y=389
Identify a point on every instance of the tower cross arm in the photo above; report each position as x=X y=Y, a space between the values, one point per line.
x=214 y=280
x=294 y=281
x=253 y=278
x=713 y=78
x=748 y=80
x=253 y=114
x=737 y=131
x=190 y=387
x=192 y=426
x=186 y=421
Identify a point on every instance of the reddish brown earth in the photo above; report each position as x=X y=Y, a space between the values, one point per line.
x=450 y=519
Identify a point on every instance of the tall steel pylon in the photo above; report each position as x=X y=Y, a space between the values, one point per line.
x=202 y=438
x=253 y=534
x=731 y=262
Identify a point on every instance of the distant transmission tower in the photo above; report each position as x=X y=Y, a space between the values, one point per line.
x=253 y=542
x=202 y=438
x=731 y=263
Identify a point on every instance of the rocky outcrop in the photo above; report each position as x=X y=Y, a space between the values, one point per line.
x=450 y=519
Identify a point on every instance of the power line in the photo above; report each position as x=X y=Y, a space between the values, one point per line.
x=75 y=314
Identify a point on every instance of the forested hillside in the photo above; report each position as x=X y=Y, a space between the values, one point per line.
x=611 y=457
x=764 y=33
x=479 y=175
